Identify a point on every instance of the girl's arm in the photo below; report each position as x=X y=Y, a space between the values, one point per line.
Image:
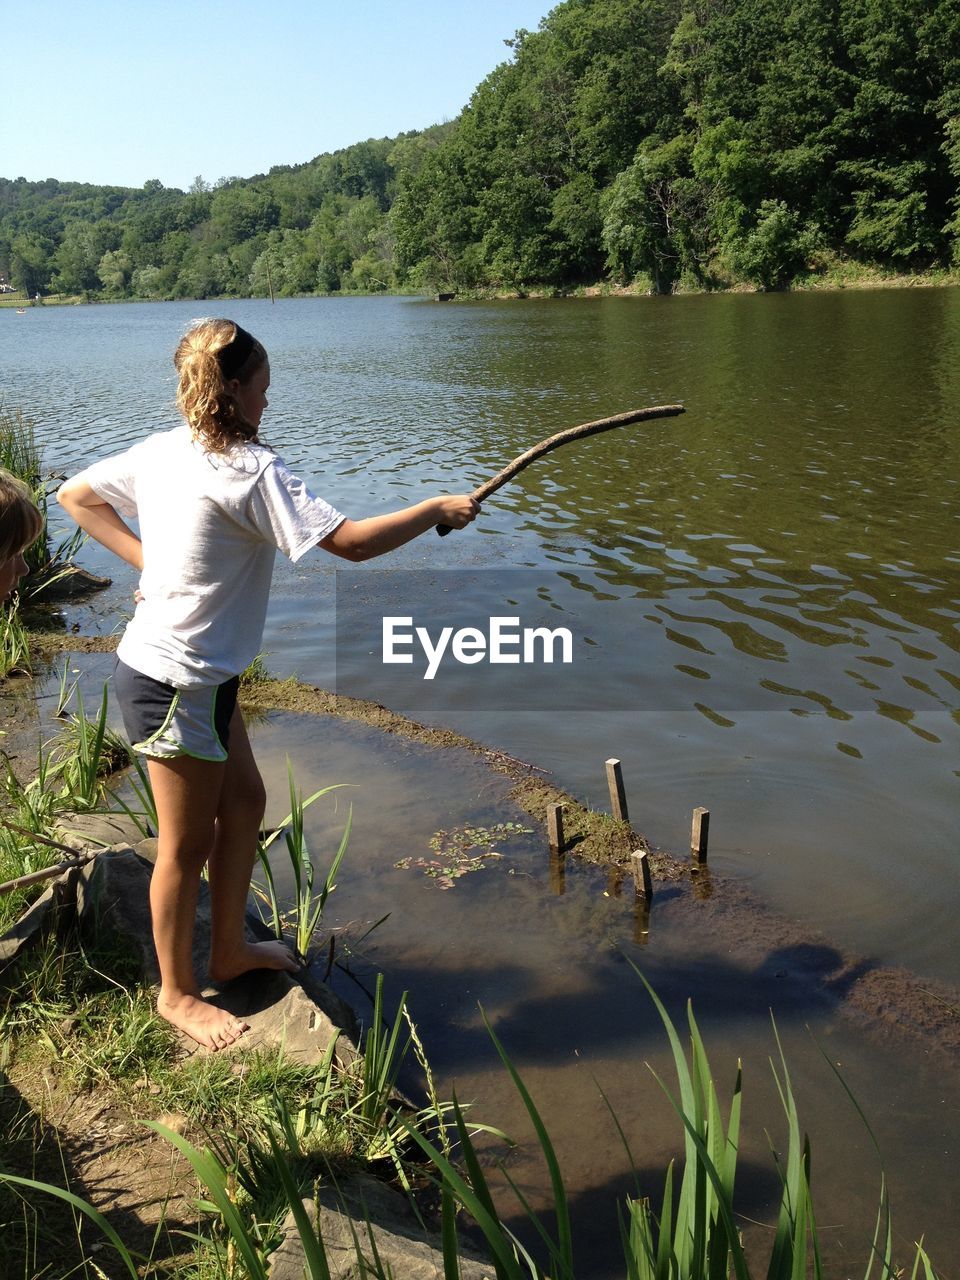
x=364 y=539
x=100 y=520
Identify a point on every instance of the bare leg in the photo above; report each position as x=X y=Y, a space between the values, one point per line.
x=239 y=815
x=187 y=794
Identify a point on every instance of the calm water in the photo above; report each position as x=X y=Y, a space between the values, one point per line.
x=764 y=600
x=764 y=593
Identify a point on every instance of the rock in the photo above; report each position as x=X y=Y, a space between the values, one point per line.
x=81 y=830
x=282 y=1015
x=360 y=1207
x=114 y=902
x=54 y=909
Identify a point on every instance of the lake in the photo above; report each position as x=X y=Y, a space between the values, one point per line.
x=762 y=595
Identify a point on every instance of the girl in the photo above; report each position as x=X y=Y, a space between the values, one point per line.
x=213 y=506
x=20 y=524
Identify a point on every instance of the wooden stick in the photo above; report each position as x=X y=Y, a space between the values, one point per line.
x=76 y=859
x=565 y=437
x=47 y=873
x=699 y=834
x=555 y=826
x=618 y=797
x=39 y=839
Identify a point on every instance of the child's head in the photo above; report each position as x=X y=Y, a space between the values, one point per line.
x=20 y=524
x=224 y=374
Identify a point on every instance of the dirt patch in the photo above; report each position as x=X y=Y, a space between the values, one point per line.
x=88 y=1144
x=47 y=644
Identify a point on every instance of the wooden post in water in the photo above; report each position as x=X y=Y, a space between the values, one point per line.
x=699 y=834
x=618 y=797
x=555 y=826
x=642 y=880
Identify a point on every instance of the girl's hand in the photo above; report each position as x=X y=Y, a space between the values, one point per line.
x=457 y=510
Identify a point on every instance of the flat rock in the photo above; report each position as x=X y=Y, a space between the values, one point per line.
x=358 y=1209
x=81 y=830
x=114 y=899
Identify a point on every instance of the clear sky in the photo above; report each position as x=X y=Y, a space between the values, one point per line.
x=119 y=91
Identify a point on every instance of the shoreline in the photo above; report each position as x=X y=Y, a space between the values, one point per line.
x=829 y=282
x=889 y=1003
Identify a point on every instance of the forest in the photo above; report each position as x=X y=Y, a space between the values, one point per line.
x=664 y=144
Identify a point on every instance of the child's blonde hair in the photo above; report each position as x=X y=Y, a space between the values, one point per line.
x=20 y=521
x=209 y=355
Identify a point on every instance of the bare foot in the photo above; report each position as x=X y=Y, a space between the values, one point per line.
x=254 y=955
x=212 y=1027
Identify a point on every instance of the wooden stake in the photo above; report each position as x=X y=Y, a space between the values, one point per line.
x=555 y=826
x=618 y=797
x=642 y=880
x=699 y=833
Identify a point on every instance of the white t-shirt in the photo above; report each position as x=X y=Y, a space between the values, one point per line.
x=210 y=525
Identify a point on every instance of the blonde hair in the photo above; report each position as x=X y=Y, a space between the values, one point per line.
x=20 y=521
x=214 y=414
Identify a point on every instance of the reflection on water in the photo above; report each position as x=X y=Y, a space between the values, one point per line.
x=542 y=946
x=777 y=568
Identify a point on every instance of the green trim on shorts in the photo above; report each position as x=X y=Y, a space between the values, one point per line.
x=144 y=746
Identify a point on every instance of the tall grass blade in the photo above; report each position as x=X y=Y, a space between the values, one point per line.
x=313 y=1250
x=448 y=1235
x=474 y=1194
x=213 y=1176
x=563 y=1249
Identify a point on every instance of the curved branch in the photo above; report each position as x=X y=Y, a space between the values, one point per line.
x=562 y=438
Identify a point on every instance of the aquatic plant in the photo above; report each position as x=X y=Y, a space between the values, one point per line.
x=302 y=918
x=14 y=647
x=462 y=850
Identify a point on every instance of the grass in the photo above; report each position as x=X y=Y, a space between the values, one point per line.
x=77 y=1017
x=47 y=565
x=70 y=776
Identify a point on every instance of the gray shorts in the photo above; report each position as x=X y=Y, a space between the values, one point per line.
x=163 y=722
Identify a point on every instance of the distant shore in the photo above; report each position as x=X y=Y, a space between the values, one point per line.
x=853 y=278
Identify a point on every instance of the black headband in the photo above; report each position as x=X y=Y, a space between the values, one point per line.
x=234 y=355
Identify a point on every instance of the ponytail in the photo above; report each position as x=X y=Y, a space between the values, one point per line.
x=209 y=355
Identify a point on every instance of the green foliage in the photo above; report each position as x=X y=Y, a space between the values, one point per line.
x=70 y=773
x=14 y=647
x=775 y=249
x=666 y=138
